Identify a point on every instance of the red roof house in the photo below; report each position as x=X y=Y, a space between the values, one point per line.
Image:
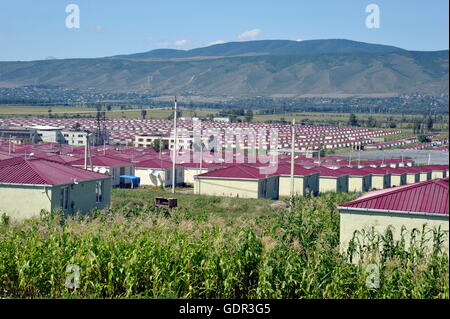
x=28 y=186
x=402 y=209
x=429 y=197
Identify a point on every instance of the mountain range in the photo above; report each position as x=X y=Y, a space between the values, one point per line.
x=249 y=68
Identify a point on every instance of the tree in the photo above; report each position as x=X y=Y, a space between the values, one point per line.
x=156 y=145
x=50 y=113
x=392 y=124
x=429 y=123
x=371 y=122
x=416 y=126
x=179 y=114
x=109 y=107
x=77 y=126
x=423 y=138
x=353 y=120
x=249 y=116
x=143 y=114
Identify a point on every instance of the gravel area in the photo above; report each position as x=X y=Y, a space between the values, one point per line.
x=419 y=156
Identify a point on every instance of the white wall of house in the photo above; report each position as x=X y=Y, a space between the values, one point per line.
x=79 y=198
x=357 y=220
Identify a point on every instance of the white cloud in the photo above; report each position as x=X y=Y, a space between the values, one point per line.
x=250 y=35
x=181 y=43
x=216 y=42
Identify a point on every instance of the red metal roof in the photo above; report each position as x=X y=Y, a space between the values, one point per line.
x=102 y=161
x=205 y=165
x=376 y=171
x=397 y=170
x=42 y=172
x=285 y=169
x=326 y=172
x=154 y=163
x=424 y=197
x=353 y=171
x=4 y=156
x=235 y=171
x=63 y=159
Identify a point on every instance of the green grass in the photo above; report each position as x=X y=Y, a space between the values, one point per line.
x=124 y=199
x=208 y=247
x=26 y=110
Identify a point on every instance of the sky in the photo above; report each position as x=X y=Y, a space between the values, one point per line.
x=37 y=30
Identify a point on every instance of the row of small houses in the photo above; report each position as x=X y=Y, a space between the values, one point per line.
x=429 y=144
x=232 y=180
x=407 y=141
x=248 y=181
x=124 y=131
x=30 y=185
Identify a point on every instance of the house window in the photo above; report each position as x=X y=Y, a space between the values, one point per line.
x=64 y=197
x=98 y=192
x=122 y=171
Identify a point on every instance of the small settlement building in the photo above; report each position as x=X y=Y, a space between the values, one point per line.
x=193 y=169
x=410 y=206
x=381 y=178
x=398 y=176
x=359 y=180
x=412 y=175
x=305 y=180
x=158 y=172
x=331 y=180
x=424 y=172
x=29 y=185
x=438 y=171
x=239 y=180
x=104 y=164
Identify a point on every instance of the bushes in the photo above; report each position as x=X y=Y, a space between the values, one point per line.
x=142 y=252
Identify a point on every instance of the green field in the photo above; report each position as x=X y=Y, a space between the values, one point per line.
x=319 y=117
x=208 y=247
x=23 y=110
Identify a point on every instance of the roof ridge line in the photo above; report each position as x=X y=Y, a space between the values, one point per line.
x=33 y=168
x=394 y=191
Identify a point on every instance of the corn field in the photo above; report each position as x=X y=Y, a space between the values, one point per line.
x=145 y=252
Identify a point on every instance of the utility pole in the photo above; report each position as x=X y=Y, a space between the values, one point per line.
x=86 y=150
x=350 y=159
x=174 y=146
x=292 y=157
x=90 y=155
x=359 y=158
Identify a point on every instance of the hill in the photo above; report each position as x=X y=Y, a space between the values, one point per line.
x=269 y=47
x=266 y=68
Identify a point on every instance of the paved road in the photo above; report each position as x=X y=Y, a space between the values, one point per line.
x=419 y=156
